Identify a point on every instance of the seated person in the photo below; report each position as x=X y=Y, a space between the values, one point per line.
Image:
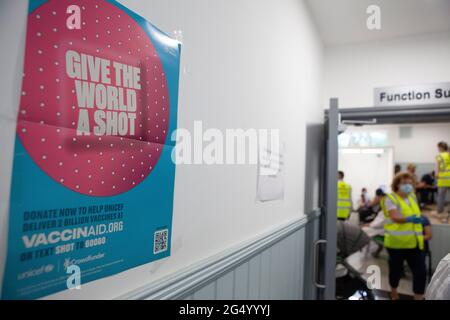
x=376 y=226
x=375 y=229
x=375 y=204
x=364 y=200
x=369 y=212
x=411 y=169
x=426 y=189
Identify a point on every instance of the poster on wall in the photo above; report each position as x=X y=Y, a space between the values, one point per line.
x=93 y=180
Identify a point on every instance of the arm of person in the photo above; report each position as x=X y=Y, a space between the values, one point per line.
x=399 y=218
x=427 y=235
x=421 y=185
x=438 y=166
x=374 y=201
x=396 y=216
x=378 y=222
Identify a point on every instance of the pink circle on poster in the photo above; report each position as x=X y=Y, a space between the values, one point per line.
x=101 y=163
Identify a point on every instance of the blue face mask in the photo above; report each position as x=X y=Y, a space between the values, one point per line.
x=407 y=188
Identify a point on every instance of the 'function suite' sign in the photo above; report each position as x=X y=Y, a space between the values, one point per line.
x=425 y=94
x=93 y=181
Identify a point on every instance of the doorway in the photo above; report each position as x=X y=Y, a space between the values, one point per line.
x=336 y=121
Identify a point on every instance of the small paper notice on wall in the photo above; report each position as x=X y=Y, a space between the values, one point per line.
x=270 y=185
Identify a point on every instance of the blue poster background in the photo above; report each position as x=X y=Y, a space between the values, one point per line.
x=147 y=207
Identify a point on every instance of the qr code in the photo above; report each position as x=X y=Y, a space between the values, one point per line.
x=160 y=241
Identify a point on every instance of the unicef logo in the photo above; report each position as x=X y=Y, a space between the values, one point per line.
x=36 y=272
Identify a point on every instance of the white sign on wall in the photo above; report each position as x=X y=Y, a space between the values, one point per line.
x=425 y=94
x=270 y=184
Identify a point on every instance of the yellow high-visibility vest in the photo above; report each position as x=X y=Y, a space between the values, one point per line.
x=344 y=202
x=444 y=169
x=383 y=206
x=403 y=235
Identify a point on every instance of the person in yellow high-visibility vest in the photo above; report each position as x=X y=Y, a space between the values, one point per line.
x=443 y=175
x=403 y=234
x=344 y=198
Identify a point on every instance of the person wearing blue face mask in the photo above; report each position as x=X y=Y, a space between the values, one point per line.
x=403 y=234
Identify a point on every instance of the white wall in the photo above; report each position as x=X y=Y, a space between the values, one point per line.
x=353 y=71
x=247 y=64
x=370 y=171
x=421 y=147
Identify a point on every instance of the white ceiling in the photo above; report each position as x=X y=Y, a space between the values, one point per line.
x=344 y=21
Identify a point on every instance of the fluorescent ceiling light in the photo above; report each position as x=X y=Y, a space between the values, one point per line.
x=350 y=151
x=372 y=151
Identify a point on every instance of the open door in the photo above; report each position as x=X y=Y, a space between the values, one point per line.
x=325 y=247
